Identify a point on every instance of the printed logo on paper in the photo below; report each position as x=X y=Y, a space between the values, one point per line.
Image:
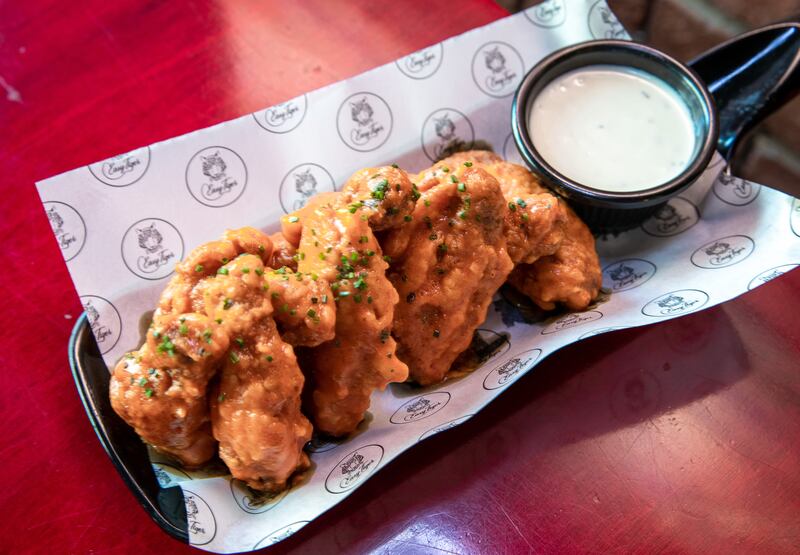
x=734 y=190
x=201 y=524
x=104 y=321
x=675 y=217
x=769 y=275
x=497 y=69
x=550 y=13
x=603 y=24
x=354 y=468
x=123 y=170
x=68 y=227
x=675 y=303
x=320 y=444
x=628 y=274
x=168 y=475
x=723 y=252
x=572 y=320
x=364 y=121
x=510 y=152
x=151 y=248
x=445 y=426
x=422 y=63
x=281 y=534
x=794 y=219
x=600 y=331
x=252 y=502
x=303 y=182
x=420 y=407
x=283 y=117
x=445 y=132
x=507 y=372
x=216 y=176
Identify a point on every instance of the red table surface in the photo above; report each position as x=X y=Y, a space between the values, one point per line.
x=679 y=437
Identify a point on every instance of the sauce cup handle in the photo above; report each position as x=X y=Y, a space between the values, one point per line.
x=749 y=77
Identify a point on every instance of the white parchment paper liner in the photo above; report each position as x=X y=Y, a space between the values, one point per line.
x=124 y=222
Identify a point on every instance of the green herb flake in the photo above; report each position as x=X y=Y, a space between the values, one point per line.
x=269 y=358
x=259 y=272
x=453 y=178
x=221 y=397
x=293 y=219
x=468 y=164
x=461 y=187
x=234 y=357
x=148 y=392
x=227 y=304
x=184 y=329
x=407 y=218
x=198 y=268
x=223 y=271
x=239 y=341
x=245 y=270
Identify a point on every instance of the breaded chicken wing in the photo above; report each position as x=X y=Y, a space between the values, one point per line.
x=572 y=276
x=160 y=390
x=535 y=218
x=218 y=309
x=255 y=411
x=283 y=253
x=447 y=263
x=553 y=249
x=335 y=241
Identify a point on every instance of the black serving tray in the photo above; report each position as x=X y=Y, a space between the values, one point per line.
x=128 y=453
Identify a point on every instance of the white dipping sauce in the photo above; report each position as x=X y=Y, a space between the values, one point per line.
x=612 y=128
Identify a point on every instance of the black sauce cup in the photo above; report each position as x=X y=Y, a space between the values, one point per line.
x=727 y=91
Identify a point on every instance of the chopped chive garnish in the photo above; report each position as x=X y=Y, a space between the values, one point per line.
x=223 y=271
x=294 y=219
x=198 y=268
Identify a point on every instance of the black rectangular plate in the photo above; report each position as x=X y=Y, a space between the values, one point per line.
x=126 y=450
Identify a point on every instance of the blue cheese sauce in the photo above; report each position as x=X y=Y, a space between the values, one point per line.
x=612 y=128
